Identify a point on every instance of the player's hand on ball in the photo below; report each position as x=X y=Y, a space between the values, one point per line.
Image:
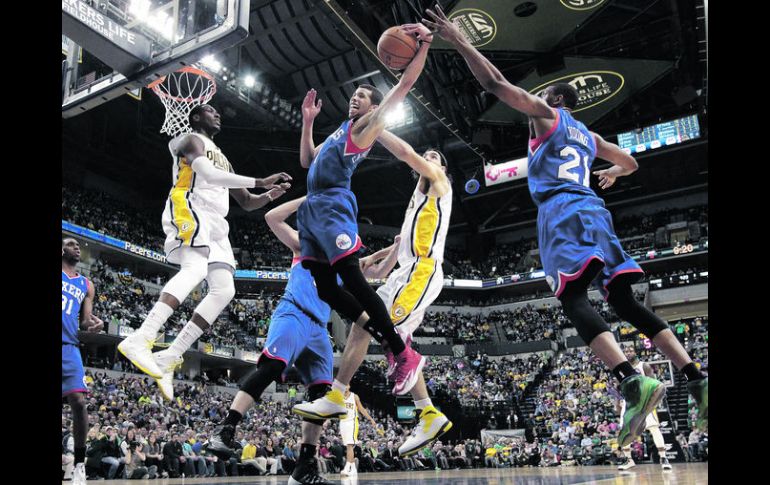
x=442 y=26
x=420 y=31
x=310 y=108
x=606 y=179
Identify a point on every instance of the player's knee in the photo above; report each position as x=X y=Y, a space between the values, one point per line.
x=225 y=290
x=77 y=401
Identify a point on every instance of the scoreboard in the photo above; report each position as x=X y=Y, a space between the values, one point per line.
x=660 y=135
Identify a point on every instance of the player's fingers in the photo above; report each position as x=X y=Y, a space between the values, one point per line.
x=320 y=102
x=440 y=12
x=430 y=24
x=431 y=14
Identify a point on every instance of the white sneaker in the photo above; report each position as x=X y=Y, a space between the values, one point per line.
x=331 y=406
x=351 y=470
x=79 y=474
x=433 y=423
x=627 y=465
x=664 y=463
x=168 y=364
x=138 y=349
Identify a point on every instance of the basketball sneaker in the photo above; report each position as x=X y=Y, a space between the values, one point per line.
x=306 y=473
x=79 y=474
x=409 y=364
x=391 y=364
x=330 y=406
x=168 y=363
x=349 y=470
x=642 y=395
x=138 y=349
x=432 y=424
x=221 y=444
x=627 y=465
x=700 y=392
x=664 y=464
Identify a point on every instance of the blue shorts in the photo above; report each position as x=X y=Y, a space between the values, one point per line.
x=73 y=378
x=298 y=340
x=327 y=226
x=573 y=230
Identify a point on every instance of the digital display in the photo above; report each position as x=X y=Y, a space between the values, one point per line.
x=660 y=135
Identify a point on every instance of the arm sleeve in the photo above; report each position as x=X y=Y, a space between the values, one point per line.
x=213 y=176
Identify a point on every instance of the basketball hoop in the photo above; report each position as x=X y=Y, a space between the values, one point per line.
x=180 y=92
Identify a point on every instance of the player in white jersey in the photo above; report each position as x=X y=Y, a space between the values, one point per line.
x=651 y=424
x=197 y=240
x=349 y=430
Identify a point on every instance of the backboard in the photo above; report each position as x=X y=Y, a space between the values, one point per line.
x=114 y=47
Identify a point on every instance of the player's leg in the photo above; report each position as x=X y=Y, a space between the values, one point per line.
x=660 y=444
x=74 y=389
x=137 y=347
x=306 y=470
x=432 y=423
x=621 y=298
x=221 y=292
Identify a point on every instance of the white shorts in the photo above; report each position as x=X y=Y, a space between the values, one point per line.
x=651 y=420
x=349 y=431
x=198 y=227
x=409 y=291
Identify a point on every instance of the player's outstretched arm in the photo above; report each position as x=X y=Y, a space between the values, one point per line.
x=488 y=75
x=276 y=220
x=623 y=163
x=380 y=264
x=369 y=127
x=404 y=152
x=310 y=109
x=192 y=149
x=250 y=202
x=362 y=410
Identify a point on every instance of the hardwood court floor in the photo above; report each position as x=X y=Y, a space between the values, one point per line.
x=682 y=474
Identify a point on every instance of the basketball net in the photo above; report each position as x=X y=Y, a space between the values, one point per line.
x=180 y=92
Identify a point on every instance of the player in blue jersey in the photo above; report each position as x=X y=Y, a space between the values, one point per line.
x=328 y=229
x=577 y=241
x=77 y=300
x=297 y=337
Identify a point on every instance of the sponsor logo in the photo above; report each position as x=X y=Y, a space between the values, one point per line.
x=581 y=5
x=343 y=241
x=399 y=311
x=476 y=25
x=593 y=87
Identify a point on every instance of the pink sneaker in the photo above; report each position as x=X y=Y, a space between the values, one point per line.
x=391 y=364
x=409 y=364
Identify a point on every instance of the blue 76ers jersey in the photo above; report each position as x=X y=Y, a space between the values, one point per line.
x=560 y=160
x=302 y=292
x=73 y=292
x=336 y=161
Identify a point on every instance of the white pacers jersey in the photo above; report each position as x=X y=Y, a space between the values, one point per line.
x=350 y=407
x=652 y=418
x=349 y=424
x=186 y=185
x=419 y=278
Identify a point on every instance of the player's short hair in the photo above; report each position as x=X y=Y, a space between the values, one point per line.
x=376 y=95
x=195 y=111
x=569 y=94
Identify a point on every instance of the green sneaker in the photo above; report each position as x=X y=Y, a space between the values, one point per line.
x=642 y=395
x=700 y=392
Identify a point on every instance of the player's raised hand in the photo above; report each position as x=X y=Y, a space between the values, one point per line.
x=606 y=178
x=397 y=240
x=95 y=325
x=276 y=192
x=279 y=179
x=442 y=26
x=310 y=108
x=420 y=31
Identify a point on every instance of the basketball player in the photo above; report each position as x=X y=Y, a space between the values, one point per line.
x=651 y=423
x=297 y=336
x=329 y=232
x=197 y=240
x=349 y=430
x=577 y=241
x=77 y=300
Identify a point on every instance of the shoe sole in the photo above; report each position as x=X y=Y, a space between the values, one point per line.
x=637 y=424
x=160 y=388
x=447 y=426
x=141 y=368
x=311 y=415
x=411 y=383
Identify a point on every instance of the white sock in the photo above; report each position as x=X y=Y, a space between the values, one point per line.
x=339 y=386
x=155 y=319
x=189 y=334
x=423 y=403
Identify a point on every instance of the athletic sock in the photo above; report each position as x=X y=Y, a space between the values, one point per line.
x=339 y=386
x=80 y=454
x=155 y=319
x=233 y=418
x=691 y=372
x=623 y=371
x=189 y=334
x=423 y=403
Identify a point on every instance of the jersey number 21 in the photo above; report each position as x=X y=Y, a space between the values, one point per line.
x=574 y=161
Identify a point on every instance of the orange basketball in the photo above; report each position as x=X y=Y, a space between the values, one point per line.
x=396 y=48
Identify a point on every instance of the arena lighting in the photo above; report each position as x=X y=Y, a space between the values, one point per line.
x=396 y=115
x=159 y=21
x=249 y=81
x=211 y=63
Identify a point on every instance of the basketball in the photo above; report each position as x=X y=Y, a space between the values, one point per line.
x=396 y=48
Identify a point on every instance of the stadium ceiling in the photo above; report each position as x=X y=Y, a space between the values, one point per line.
x=295 y=45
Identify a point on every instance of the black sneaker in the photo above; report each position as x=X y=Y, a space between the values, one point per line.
x=306 y=473
x=221 y=443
